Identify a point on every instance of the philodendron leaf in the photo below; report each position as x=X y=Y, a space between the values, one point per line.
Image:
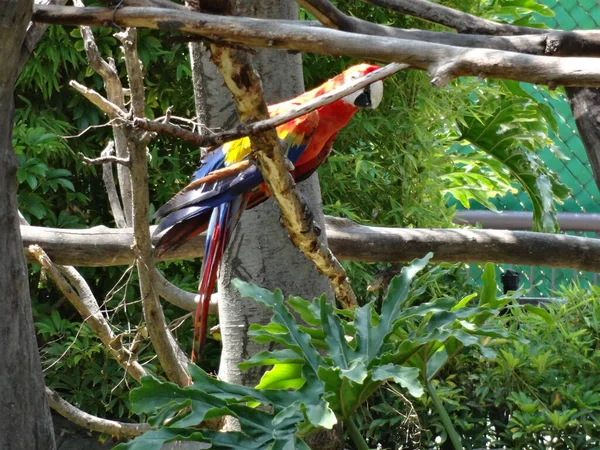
x=407 y=377
x=208 y=398
x=369 y=337
x=269 y=358
x=155 y=439
x=282 y=376
x=294 y=339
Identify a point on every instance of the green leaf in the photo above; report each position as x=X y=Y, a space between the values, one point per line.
x=295 y=339
x=407 y=377
x=511 y=134
x=282 y=376
x=269 y=358
x=369 y=338
x=487 y=295
x=542 y=313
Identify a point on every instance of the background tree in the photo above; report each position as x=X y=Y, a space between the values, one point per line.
x=25 y=415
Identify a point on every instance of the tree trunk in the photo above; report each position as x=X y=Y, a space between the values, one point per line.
x=25 y=421
x=260 y=250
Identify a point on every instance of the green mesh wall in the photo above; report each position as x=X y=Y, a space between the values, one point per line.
x=574 y=172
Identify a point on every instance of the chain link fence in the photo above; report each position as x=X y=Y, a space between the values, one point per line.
x=575 y=171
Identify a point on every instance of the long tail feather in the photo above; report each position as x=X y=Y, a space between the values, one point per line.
x=223 y=221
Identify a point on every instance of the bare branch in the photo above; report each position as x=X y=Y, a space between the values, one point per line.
x=178 y=297
x=104 y=160
x=442 y=61
x=94 y=423
x=109 y=108
x=451 y=18
x=253 y=128
x=135 y=75
x=296 y=216
x=111 y=190
x=115 y=94
x=78 y=293
x=349 y=241
x=172 y=359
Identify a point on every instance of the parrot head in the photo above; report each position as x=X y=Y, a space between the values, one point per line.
x=368 y=97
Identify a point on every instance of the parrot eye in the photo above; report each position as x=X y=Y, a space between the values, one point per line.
x=370 y=97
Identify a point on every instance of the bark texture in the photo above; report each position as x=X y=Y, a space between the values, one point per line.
x=25 y=421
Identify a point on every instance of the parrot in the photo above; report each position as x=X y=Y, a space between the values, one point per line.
x=229 y=182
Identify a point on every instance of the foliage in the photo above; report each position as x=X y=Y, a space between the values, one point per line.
x=325 y=370
x=510 y=128
x=538 y=392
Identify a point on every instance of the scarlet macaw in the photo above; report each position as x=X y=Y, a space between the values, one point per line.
x=214 y=201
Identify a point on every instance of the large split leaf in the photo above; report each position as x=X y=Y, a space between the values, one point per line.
x=512 y=133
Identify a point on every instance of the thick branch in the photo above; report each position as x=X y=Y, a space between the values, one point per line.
x=246 y=89
x=349 y=242
x=442 y=61
x=78 y=293
x=94 y=423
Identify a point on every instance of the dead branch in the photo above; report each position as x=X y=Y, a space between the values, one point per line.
x=115 y=94
x=94 y=423
x=104 y=160
x=253 y=128
x=296 y=216
x=106 y=106
x=451 y=18
x=172 y=359
x=111 y=189
x=349 y=241
x=178 y=297
x=78 y=293
x=443 y=62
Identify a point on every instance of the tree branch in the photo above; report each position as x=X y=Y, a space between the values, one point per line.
x=115 y=95
x=104 y=160
x=111 y=190
x=295 y=214
x=178 y=297
x=172 y=359
x=349 y=241
x=451 y=18
x=78 y=293
x=253 y=128
x=94 y=423
x=442 y=61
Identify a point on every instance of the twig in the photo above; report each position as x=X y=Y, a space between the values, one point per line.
x=78 y=293
x=90 y=422
x=111 y=190
x=296 y=216
x=104 y=160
